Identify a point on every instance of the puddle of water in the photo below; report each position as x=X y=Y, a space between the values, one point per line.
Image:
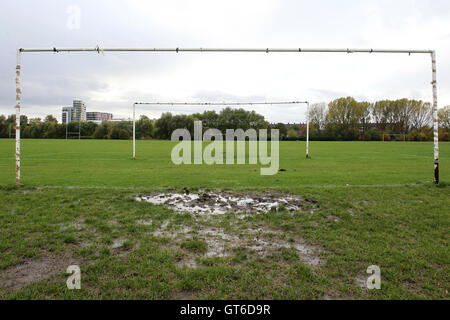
x=221 y=244
x=20 y=275
x=174 y=233
x=117 y=243
x=210 y=203
x=205 y=205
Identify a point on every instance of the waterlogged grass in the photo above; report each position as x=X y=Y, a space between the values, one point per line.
x=109 y=163
x=395 y=219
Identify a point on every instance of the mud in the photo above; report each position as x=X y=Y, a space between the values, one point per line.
x=18 y=276
x=207 y=207
x=78 y=225
x=260 y=241
x=117 y=243
x=361 y=282
x=212 y=203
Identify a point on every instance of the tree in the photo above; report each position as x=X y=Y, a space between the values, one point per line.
x=51 y=132
x=35 y=120
x=144 y=128
x=101 y=132
x=380 y=114
x=282 y=129
x=293 y=133
x=181 y=121
x=317 y=115
x=420 y=114
x=123 y=134
x=50 y=119
x=343 y=118
x=114 y=133
x=364 y=109
x=163 y=126
x=444 y=117
x=87 y=128
x=209 y=119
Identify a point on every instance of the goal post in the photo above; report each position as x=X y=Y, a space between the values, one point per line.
x=402 y=135
x=220 y=104
x=99 y=50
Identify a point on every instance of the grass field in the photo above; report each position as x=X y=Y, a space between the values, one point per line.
x=108 y=163
x=366 y=203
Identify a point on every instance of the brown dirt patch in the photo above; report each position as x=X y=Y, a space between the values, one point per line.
x=20 y=275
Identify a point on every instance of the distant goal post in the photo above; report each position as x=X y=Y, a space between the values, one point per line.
x=221 y=104
x=397 y=136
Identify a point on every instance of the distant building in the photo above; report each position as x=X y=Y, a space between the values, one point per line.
x=79 y=111
x=299 y=125
x=98 y=116
x=67 y=113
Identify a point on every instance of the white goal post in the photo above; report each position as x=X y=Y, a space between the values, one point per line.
x=220 y=104
x=99 y=50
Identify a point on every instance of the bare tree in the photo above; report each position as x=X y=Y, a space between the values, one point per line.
x=420 y=114
x=444 y=117
x=317 y=114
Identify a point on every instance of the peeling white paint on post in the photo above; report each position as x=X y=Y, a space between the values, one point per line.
x=18 y=93
x=307 y=130
x=435 y=119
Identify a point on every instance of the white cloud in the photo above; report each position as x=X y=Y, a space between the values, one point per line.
x=113 y=81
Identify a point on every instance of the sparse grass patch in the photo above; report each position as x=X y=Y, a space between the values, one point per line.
x=195 y=245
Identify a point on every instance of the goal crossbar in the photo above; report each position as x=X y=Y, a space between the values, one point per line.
x=220 y=104
x=226 y=50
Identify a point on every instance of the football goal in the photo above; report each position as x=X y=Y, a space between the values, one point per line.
x=200 y=104
x=394 y=137
x=99 y=50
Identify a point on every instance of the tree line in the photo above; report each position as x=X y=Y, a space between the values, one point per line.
x=348 y=119
x=341 y=119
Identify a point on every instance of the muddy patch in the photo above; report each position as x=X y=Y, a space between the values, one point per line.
x=261 y=241
x=18 y=276
x=77 y=225
x=117 y=243
x=264 y=244
x=212 y=203
x=188 y=262
x=361 y=282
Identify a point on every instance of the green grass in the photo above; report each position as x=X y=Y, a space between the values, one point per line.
x=108 y=163
x=395 y=218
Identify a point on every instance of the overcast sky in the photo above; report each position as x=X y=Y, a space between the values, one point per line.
x=113 y=81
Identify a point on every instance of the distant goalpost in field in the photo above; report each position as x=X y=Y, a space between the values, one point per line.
x=99 y=50
x=220 y=104
x=403 y=135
